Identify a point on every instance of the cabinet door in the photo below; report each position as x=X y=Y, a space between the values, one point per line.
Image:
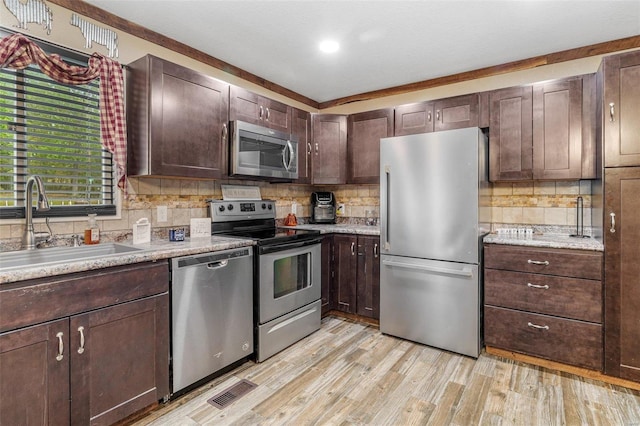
x=621 y=109
x=327 y=273
x=119 y=360
x=329 y=149
x=368 y=286
x=188 y=119
x=277 y=115
x=302 y=132
x=456 y=113
x=510 y=134
x=364 y=131
x=557 y=129
x=34 y=375
x=622 y=269
x=412 y=119
x=253 y=108
x=346 y=263
x=245 y=106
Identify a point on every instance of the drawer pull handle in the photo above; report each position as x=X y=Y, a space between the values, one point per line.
x=539 y=327
x=544 y=287
x=538 y=262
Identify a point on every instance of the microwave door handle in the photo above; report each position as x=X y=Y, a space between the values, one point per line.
x=290 y=146
x=287 y=149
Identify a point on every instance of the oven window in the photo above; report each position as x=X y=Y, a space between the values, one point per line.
x=254 y=153
x=291 y=274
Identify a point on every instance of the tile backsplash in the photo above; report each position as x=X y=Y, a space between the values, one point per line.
x=541 y=203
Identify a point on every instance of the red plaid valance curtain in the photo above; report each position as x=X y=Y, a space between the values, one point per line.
x=18 y=52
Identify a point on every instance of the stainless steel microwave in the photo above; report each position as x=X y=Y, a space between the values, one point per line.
x=257 y=151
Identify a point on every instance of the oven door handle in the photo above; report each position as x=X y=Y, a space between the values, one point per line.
x=273 y=248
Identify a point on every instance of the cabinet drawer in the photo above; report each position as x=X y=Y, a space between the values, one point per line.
x=44 y=299
x=563 y=262
x=546 y=294
x=563 y=340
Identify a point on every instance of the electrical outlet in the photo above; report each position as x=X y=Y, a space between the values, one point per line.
x=294 y=208
x=162 y=213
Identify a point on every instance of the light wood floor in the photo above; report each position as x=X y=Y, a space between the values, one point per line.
x=350 y=374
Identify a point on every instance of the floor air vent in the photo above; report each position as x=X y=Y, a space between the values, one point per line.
x=231 y=394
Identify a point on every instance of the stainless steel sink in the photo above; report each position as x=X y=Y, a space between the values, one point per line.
x=48 y=256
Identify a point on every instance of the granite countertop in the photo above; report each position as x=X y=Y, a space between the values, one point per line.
x=155 y=250
x=339 y=228
x=546 y=240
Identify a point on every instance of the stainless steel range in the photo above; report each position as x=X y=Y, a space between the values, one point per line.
x=287 y=272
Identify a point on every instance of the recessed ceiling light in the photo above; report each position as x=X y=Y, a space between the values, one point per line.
x=329 y=46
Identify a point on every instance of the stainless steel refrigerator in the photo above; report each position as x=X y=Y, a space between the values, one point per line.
x=432 y=198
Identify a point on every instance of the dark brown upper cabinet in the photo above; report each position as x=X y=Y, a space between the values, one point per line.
x=329 y=145
x=177 y=121
x=301 y=130
x=544 y=131
x=564 y=129
x=621 y=109
x=364 y=131
x=252 y=108
x=511 y=134
x=442 y=114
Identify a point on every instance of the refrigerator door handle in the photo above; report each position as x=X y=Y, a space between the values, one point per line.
x=466 y=272
x=386 y=244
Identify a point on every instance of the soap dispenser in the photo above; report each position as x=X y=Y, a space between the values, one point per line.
x=92 y=232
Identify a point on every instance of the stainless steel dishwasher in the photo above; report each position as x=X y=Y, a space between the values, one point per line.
x=212 y=313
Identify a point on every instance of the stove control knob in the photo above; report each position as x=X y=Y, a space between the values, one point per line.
x=230 y=207
x=270 y=207
x=264 y=206
x=221 y=208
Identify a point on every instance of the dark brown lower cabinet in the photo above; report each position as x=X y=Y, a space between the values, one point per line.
x=368 y=284
x=622 y=272
x=327 y=273
x=34 y=375
x=345 y=266
x=90 y=364
x=545 y=303
x=356 y=275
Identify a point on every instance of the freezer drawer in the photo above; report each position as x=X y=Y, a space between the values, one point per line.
x=431 y=302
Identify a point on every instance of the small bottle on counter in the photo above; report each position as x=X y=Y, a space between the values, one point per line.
x=92 y=232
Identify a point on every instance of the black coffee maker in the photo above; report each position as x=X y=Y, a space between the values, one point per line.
x=323 y=207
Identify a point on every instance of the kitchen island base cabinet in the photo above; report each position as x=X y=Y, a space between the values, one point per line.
x=99 y=352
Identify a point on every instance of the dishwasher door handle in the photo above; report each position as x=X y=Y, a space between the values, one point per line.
x=217 y=265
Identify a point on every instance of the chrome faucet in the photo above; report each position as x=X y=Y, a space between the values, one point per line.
x=29 y=237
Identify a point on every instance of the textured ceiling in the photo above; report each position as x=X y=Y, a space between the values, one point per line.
x=383 y=43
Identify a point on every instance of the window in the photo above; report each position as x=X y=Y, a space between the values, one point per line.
x=53 y=130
